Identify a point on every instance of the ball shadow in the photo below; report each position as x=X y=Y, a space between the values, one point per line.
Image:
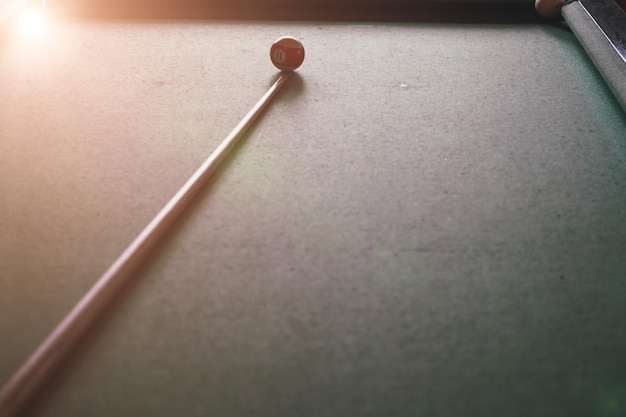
x=293 y=87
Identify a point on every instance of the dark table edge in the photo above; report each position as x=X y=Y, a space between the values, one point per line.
x=611 y=20
x=441 y=11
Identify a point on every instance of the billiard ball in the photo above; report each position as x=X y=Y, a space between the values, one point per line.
x=287 y=53
x=549 y=9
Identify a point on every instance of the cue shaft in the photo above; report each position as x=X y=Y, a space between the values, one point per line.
x=40 y=365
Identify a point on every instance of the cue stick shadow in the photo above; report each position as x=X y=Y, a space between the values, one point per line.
x=103 y=323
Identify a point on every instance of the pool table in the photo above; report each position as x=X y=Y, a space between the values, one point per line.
x=428 y=220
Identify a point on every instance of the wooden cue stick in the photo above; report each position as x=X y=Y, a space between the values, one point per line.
x=39 y=366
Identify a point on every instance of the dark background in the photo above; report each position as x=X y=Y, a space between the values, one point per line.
x=337 y=10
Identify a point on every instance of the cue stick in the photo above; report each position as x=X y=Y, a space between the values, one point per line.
x=40 y=365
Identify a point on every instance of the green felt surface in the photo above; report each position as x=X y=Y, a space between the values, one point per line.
x=429 y=220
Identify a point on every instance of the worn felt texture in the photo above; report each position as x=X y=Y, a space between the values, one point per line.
x=428 y=220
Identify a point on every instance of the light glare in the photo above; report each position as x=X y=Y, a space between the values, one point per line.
x=31 y=21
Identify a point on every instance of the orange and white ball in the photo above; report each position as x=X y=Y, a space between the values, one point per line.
x=287 y=53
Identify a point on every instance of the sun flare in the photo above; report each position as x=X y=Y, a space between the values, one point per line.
x=32 y=22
